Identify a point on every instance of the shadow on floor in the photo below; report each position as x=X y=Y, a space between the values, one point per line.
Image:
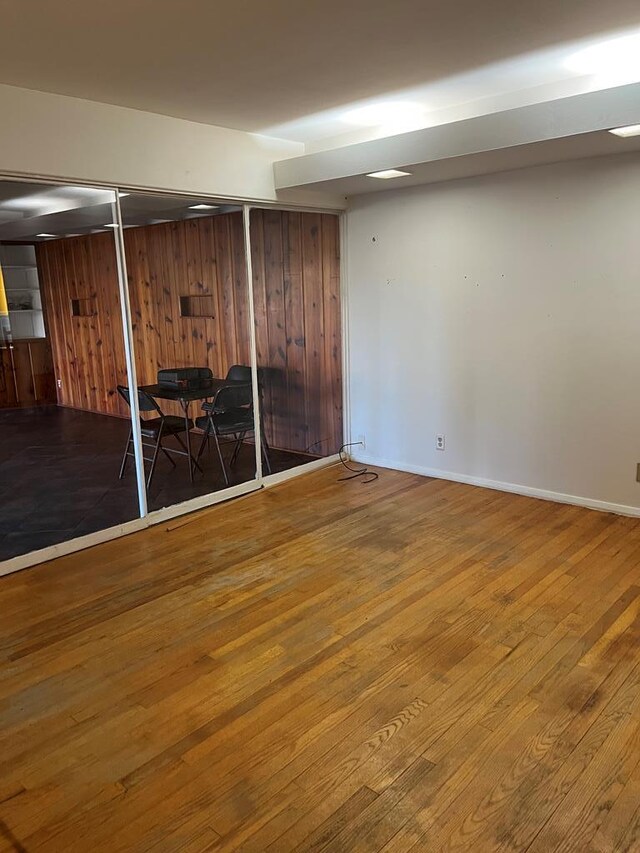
x=59 y=476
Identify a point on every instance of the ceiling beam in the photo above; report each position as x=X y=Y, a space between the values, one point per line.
x=565 y=117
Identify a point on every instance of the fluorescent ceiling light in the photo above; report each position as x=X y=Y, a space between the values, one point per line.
x=388 y=173
x=45 y=235
x=631 y=130
x=394 y=115
x=203 y=207
x=123 y=195
x=111 y=225
x=614 y=60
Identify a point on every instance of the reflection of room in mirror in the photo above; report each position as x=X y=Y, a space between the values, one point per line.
x=64 y=381
x=59 y=467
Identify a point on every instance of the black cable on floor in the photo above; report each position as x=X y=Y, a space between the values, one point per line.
x=369 y=476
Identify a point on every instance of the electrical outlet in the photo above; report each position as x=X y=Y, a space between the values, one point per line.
x=360 y=439
x=59 y=383
x=440 y=441
x=638 y=472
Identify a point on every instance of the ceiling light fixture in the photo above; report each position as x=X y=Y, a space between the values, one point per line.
x=385 y=174
x=630 y=130
x=111 y=225
x=45 y=235
x=123 y=195
x=203 y=207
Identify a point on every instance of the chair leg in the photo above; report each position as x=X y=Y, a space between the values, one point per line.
x=236 y=450
x=205 y=441
x=189 y=457
x=267 y=461
x=126 y=454
x=154 y=458
x=263 y=437
x=265 y=449
x=168 y=455
x=220 y=457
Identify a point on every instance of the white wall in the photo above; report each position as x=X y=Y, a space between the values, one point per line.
x=503 y=311
x=60 y=137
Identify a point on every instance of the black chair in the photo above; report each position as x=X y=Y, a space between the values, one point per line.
x=230 y=415
x=162 y=426
x=242 y=373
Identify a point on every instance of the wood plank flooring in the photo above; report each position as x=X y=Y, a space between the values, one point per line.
x=409 y=665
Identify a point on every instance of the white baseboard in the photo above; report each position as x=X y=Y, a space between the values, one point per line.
x=527 y=491
x=315 y=465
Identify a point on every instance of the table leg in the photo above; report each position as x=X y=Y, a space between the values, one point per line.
x=185 y=406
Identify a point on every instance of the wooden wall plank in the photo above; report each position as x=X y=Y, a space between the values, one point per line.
x=295 y=260
x=160 y=255
x=296 y=343
x=197 y=326
x=213 y=356
x=261 y=317
x=241 y=291
x=275 y=369
x=225 y=291
x=318 y=435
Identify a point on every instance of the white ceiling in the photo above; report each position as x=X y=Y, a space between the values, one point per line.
x=285 y=66
x=533 y=78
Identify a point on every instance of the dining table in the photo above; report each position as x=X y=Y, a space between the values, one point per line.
x=185 y=397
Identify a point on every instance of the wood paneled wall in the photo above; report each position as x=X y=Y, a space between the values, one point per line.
x=295 y=259
x=296 y=287
x=195 y=257
x=88 y=351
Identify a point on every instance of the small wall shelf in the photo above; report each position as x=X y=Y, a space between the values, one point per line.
x=197 y=306
x=83 y=308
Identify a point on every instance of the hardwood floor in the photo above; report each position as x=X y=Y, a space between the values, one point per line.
x=409 y=665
